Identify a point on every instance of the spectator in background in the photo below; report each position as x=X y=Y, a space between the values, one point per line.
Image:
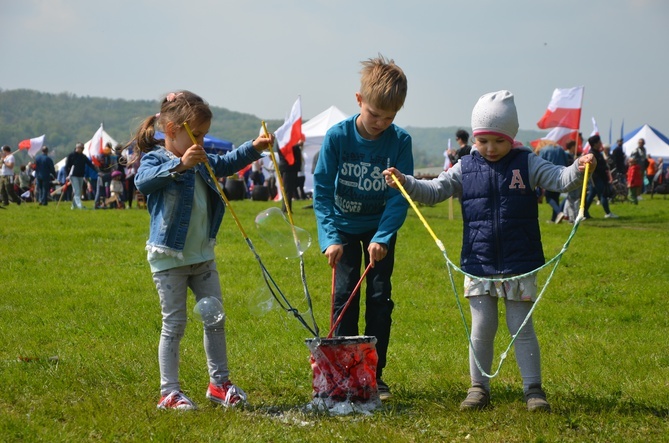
x=641 y=157
x=634 y=180
x=65 y=189
x=105 y=168
x=556 y=155
x=301 y=180
x=601 y=177
x=45 y=171
x=91 y=179
x=651 y=169
x=75 y=167
x=7 y=177
x=289 y=175
x=619 y=158
x=462 y=139
x=132 y=163
x=25 y=180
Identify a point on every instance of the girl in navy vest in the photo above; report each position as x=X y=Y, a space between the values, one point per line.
x=501 y=236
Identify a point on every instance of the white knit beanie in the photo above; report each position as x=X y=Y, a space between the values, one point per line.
x=495 y=113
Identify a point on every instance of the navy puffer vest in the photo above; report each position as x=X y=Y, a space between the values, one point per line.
x=501 y=228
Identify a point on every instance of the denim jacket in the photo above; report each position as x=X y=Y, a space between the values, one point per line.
x=169 y=195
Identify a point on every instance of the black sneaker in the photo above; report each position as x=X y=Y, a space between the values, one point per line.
x=535 y=398
x=478 y=398
x=383 y=389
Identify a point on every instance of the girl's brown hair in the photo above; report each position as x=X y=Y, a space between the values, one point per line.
x=176 y=107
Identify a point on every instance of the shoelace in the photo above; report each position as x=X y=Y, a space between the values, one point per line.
x=175 y=398
x=232 y=392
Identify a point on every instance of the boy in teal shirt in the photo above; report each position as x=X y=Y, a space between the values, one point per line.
x=358 y=215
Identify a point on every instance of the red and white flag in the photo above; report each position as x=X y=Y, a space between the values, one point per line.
x=290 y=132
x=564 y=109
x=33 y=145
x=557 y=136
x=96 y=144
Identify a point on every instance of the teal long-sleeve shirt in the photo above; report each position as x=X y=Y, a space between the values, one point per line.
x=350 y=192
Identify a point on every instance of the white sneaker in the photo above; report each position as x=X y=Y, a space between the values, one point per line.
x=559 y=218
x=610 y=215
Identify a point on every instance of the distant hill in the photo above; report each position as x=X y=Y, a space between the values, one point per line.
x=67 y=119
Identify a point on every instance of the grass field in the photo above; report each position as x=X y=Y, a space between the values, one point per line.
x=76 y=286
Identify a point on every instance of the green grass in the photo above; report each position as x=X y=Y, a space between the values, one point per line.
x=75 y=284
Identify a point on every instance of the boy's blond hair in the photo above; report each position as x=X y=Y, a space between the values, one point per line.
x=383 y=84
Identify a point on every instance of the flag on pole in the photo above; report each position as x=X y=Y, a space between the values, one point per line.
x=564 y=109
x=33 y=145
x=557 y=136
x=447 y=160
x=95 y=148
x=290 y=132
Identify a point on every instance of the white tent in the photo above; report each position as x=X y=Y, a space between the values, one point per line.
x=106 y=138
x=314 y=132
x=657 y=144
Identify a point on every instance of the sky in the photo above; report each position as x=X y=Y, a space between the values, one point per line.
x=257 y=56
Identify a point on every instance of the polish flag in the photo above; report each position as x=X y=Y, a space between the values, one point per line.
x=95 y=148
x=290 y=132
x=564 y=109
x=33 y=145
x=558 y=136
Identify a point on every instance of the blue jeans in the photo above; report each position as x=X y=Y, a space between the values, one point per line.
x=172 y=285
x=553 y=199
x=378 y=304
x=44 y=186
x=597 y=188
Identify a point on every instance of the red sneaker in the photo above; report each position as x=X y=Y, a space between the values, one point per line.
x=176 y=400
x=226 y=395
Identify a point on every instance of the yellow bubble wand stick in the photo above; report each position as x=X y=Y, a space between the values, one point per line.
x=581 y=209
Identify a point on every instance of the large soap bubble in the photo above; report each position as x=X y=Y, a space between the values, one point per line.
x=277 y=231
x=261 y=301
x=209 y=310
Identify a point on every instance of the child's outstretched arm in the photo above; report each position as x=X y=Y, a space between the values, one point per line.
x=430 y=192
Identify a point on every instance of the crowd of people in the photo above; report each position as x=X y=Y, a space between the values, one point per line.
x=616 y=177
x=106 y=180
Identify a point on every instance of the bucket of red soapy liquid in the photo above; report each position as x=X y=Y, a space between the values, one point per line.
x=344 y=368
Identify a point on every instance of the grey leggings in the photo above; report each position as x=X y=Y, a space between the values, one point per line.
x=172 y=286
x=484 y=328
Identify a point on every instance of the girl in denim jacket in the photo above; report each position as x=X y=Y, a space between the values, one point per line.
x=186 y=211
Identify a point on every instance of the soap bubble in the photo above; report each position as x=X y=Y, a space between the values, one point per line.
x=209 y=310
x=277 y=231
x=261 y=301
